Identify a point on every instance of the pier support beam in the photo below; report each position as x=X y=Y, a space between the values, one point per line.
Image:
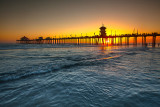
x=97 y=41
x=112 y=41
x=85 y=40
x=127 y=40
x=64 y=41
x=107 y=41
x=92 y=41
x=135 y=40
x=103 y=41
x=78 y=41
x=154 y=41
x=120 y=40
x=144 y=41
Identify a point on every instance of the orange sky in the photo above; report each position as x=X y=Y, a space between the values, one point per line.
x=65 y=17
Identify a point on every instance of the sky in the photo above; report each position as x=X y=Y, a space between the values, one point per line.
x=50 y=18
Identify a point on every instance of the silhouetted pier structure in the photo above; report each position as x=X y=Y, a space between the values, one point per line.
x=94 y=40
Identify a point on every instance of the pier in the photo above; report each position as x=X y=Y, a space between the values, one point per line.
x=102 y=39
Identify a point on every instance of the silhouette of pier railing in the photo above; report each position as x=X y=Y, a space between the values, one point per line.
x=93 y=40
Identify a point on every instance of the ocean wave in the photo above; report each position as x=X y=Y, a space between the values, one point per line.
x=23 y=73
x=10 y=76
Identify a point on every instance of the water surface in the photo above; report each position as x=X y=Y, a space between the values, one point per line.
x=85 y=76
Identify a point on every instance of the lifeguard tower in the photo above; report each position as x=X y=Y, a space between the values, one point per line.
x=103 y=31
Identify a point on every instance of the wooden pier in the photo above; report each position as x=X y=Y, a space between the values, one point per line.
x=93 y=40
x=101 y=39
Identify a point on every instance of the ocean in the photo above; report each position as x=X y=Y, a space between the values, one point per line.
x=47 y=75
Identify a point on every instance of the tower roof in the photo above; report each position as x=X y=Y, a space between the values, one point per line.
x=102 y=27
x=24 y=38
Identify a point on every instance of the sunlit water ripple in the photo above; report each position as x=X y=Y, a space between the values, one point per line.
x=85 y=76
